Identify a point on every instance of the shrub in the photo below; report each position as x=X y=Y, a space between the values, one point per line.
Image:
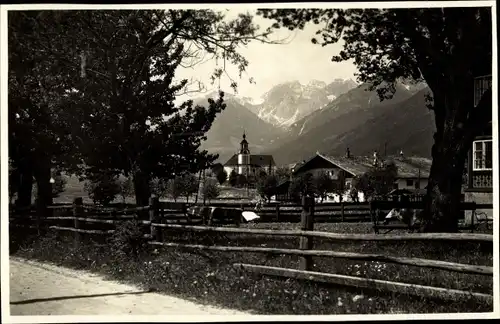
x=128 y=241
x=233 y=178
x=126 y=188
x=190 y=185
x=266 y=186
x=210 y=190
x=159 y=187
x=241 y=180
x=221 y=176
x=323 y=184
x=59 y=185
x=102 y=189
x=302 y=185
x=176 y=187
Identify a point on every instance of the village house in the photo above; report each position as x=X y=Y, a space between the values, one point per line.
x=412 y=176
x=479 y=183
x=248 y=164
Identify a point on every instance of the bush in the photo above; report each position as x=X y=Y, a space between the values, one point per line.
x=190 y=185
x=241 y=180
x=159 y=187
x=266 y=186
x=59 y=185
x=128 y=241
x=221 y=176
x=102 y=189
x=126 y=188
x=302 y=185
x=233 y=178
x=210 y=190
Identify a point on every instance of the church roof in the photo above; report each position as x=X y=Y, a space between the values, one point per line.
x=262 y=160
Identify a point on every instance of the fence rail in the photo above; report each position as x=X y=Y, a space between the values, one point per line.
x=159 y=216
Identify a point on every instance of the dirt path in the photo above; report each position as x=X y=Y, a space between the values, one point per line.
x=44 y=289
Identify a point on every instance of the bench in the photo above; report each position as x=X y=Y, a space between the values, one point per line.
x=377 y=209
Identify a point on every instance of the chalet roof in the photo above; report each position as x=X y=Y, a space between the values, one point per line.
x=408 y=167
x=262 y=160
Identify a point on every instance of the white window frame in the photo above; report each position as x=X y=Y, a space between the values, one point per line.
x=483 y=155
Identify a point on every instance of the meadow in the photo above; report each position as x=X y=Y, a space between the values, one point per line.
x=209 y=277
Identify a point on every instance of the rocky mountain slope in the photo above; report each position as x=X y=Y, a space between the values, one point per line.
x=286 y=103
x=358 y=120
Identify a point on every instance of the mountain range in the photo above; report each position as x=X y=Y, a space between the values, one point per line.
x=287 y=103
x=293 y=121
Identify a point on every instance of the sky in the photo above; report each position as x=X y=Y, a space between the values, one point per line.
x=272 y=64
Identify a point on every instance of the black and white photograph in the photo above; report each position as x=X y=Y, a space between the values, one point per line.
x=235 y=161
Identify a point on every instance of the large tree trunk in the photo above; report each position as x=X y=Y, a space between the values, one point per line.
x=44 y=187
x=142 y=189
x=442 y=206
x=457 y=123
x=25 y=189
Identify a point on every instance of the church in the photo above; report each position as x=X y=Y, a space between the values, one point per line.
x=249 y=164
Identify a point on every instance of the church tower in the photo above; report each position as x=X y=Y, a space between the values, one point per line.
x=244 y=157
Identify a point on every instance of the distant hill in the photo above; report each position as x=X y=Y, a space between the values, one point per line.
x=358 y=120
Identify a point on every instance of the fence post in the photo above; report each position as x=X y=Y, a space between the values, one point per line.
x=371 y=211
x=154 y=203
x=77 y=212
x=342 y=211
x=277 y=212
x=307 y=224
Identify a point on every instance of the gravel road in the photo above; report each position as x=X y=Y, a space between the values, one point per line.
x=44 y=289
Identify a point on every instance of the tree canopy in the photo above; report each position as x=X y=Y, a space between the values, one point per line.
x=445 y=47
x=95 y=90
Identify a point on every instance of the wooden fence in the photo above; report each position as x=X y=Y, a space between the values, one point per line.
x=81 y=219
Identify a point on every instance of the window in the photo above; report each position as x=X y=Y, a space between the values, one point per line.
x=482 y=155
x=481 y=84
x=409 y=183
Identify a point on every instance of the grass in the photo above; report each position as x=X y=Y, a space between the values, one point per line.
x=208 y=277
x=74 y=188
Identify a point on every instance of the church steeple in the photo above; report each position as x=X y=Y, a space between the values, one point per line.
x=244 y=145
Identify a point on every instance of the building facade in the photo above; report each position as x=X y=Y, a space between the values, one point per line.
x=247 y=164
x=479 y=173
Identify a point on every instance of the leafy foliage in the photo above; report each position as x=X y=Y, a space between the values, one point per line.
x=160 y=187
x=221 y=176
x=283 y=174
x=323 y=184
x=126 y=188
x=233 y=178
x=445 y=47
x=190 y=185
x=127 y=241
x=241 y=180
x=102 y=188
x=302 y=185
x=266 y=186
x=211 y=189
x=95 y=90
x=176 y=187
x=59 y=185
x=377 y=182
